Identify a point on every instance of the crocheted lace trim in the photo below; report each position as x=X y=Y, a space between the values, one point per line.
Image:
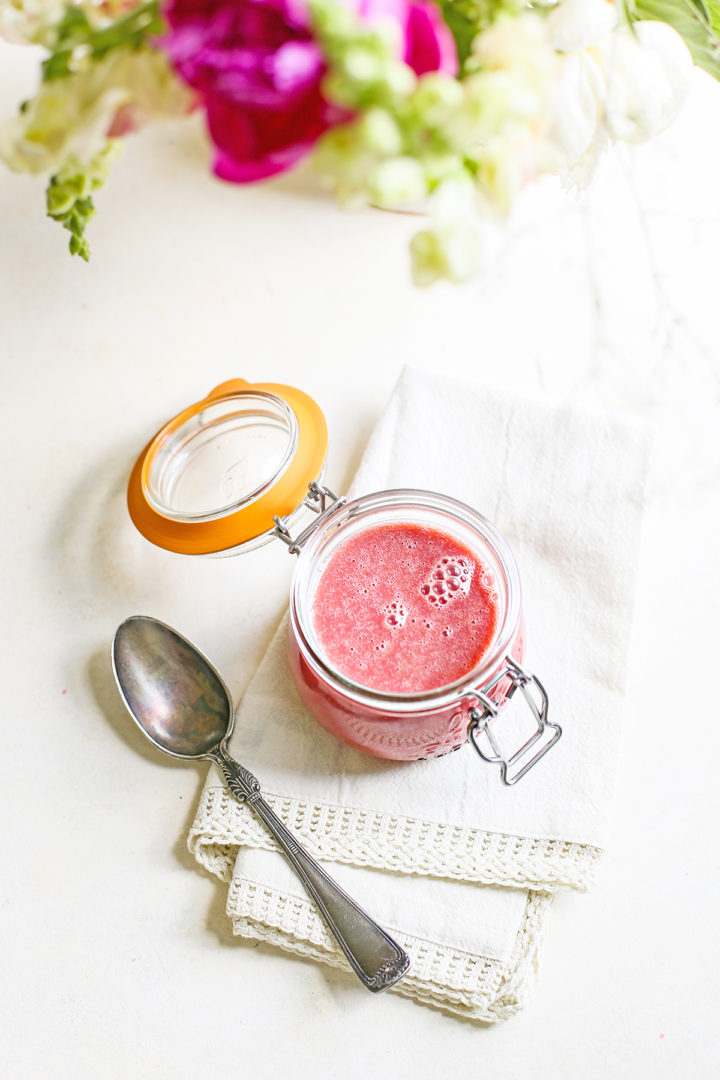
x=401 y=844
x=467 y=985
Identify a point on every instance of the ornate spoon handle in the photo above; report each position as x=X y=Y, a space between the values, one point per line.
x=377 y=960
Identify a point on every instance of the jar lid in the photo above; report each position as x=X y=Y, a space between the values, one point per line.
x=213 y=479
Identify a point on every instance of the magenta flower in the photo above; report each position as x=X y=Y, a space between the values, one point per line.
x=429 y=44
x=259 y=71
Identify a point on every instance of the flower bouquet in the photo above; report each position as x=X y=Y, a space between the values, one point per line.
x=452 y=106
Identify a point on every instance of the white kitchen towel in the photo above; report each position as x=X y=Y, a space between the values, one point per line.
x=457 y=866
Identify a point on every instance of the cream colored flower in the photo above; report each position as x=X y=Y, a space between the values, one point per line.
x=648 y=77
x=618 y=83
x=73 y=116
x=398 y=182
x=34 y=21
x=509 y=97
x=452 y=246
x=577 y=24
x=26 y=21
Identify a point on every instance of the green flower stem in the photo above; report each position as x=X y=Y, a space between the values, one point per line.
x=69 y=199
x=78 y=38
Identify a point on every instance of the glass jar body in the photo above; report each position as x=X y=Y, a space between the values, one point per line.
x=402 y=726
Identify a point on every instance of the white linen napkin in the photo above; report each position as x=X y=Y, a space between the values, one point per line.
x=459 y=868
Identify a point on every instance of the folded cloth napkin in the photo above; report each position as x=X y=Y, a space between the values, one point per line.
x=459 y=868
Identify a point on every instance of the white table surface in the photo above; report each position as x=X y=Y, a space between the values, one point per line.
x=117 y=957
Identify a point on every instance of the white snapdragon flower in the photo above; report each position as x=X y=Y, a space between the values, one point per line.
x=72 y=117
x=27 y=21
x=547 y=95
x=453 y=245
x=68 y=118
x=648 y=76
x=508 y=98
x=578 y=24
x=398 y=182
x=619 y=83
x=578 y=111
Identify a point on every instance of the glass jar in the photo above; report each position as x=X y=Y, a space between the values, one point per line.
x=242 y=467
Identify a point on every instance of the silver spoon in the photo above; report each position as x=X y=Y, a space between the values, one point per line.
x=180 y=702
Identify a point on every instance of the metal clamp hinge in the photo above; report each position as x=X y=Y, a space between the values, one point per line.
x=322 y=501
x=481 y=723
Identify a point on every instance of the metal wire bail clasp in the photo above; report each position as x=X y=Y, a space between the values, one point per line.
x=481 y=723
x=323 y=502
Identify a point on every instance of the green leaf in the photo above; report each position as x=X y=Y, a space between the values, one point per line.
x=77 y=37
x=467 y=18
x=713 y=9
x=697 y=22
x=74 y=23
x=461 y=27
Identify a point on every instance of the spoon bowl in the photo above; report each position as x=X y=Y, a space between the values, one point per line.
x=173 y=694
x=181 y=704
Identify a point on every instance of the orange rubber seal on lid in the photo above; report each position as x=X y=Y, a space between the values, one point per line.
x=228 y=531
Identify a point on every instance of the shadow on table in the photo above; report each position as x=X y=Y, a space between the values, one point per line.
x=93 y=550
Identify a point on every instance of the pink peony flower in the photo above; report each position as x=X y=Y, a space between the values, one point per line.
x=258 y=71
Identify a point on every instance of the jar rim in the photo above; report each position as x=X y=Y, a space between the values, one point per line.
x=246 y=518
x=181 y=436
x=422 y=499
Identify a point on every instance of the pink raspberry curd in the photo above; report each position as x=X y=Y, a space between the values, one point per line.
x=404 y=608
